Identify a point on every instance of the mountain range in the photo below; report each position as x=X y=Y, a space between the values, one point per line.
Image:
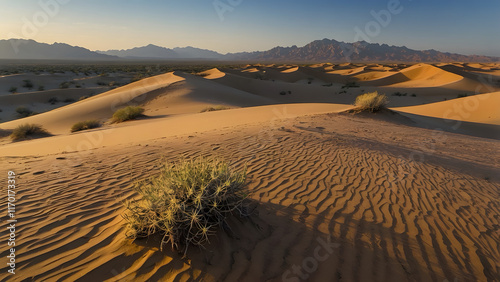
x=316 y=51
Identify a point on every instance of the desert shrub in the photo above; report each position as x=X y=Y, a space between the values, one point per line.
x=127 y=113
x=399 y=94
x=461 y=95
x=25 y=130
x=83 y=98
x=70 y=100
x=53 y=100
x=351 y=84
x=41 y=88
x=413 y=95
x=13 y=89
x=27 y=84
x=283 y=93
x=371 y=102
x=215 y=108
x=64 y=85
x=23 y=112
x=186 y=202
x=84 y=125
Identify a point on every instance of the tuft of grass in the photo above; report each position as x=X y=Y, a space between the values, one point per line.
x=23 y=112
x=127 y=113
x=215 y=108
x=351 y=84
x=187 y=202
x=25 y=130
x=371 y=102
x=85 y=125
x=64 y=85
x=27 y=84
x=53 y=100
x=13 y=89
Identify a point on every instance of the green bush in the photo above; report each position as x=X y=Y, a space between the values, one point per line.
x=25 y=130
x=13 y=89
x=371 y=102
x=23 y=112
x=127 y=113
x=84 y=125
x=186 y=202
x=215 y=108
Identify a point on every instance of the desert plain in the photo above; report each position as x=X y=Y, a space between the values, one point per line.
x=409 y=193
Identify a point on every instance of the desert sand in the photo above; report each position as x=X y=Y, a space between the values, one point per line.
x=407 y=194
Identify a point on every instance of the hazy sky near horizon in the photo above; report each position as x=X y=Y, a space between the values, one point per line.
x=458 y=26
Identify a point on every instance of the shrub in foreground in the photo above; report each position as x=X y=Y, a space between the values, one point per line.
x=25 y=130
x=371 y=102
x=186 y=202
x=215 y=108
x=84 y=125
x=127 y=113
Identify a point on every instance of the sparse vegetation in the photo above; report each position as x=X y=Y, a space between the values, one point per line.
x=371 y=102
x=215 y=108
x=64 y=85
x=127 y=113
x=399 y=94
x=27 y=84
x=85 y=125
x=462 y=95
x=351 y=84
x=23 y=112
x=69 y=100
x=41 y=88
x=187 y=202
x=83 y=97
x=13 y=89
x=53 y=100
x=24 y=131
x=413 y=95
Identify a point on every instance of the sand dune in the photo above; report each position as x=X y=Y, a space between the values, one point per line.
x=327 y=179
x=483 y=108
x=420 y=75
x=385 y=196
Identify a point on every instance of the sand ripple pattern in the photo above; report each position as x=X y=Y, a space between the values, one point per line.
x=308 y=186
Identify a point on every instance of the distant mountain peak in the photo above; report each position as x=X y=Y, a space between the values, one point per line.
x=323 y=50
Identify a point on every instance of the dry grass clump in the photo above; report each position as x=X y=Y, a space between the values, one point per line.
x=85 y=125
x=25 y=130
x=370 y=102
x=186 y=202
x=127 y=113
x=215 y=108
x=23 y=112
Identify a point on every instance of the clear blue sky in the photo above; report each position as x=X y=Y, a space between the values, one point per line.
x=460 y=26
